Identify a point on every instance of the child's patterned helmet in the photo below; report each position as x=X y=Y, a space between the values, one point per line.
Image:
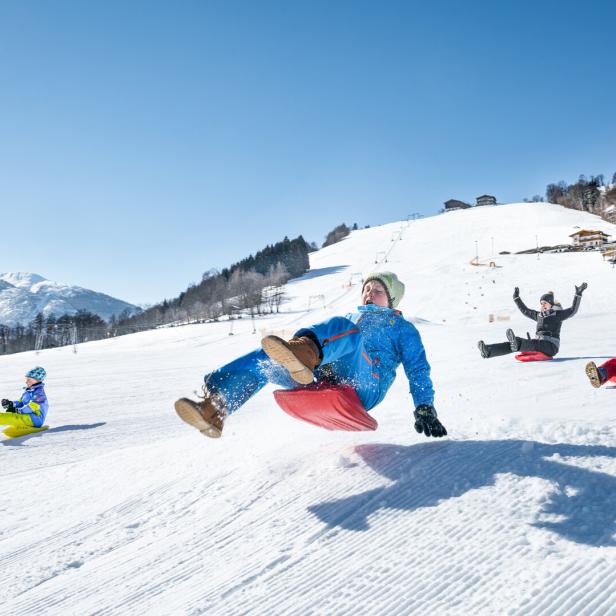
x=37 y=373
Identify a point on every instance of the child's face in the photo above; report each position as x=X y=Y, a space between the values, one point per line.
x=374 y=293
x=30 y=381
x=545 y=305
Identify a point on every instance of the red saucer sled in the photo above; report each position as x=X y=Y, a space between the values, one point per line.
x=532 y=356
x=333 y=407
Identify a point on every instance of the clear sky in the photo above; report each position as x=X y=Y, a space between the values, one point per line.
x=144 y=142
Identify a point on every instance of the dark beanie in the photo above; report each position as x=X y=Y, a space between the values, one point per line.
x=548 y=297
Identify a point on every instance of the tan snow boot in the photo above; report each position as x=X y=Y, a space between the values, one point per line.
x=207 y=415
x=593 y=374
x=300 y=356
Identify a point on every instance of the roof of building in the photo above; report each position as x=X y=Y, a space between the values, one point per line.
x=456 y=203
x=585 y=232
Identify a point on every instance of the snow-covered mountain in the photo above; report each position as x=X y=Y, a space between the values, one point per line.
x=24 y=295
x=122 y=509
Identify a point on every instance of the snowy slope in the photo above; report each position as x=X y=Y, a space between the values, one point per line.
x=23 y=295
x=122 y=509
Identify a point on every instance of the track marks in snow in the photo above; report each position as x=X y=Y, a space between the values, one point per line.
x=400 y=529
x=412 y=524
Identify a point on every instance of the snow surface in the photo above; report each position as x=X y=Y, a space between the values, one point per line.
x=122 y=509
x=23 y=295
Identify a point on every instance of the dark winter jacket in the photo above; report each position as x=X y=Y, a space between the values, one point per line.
x=549 y=321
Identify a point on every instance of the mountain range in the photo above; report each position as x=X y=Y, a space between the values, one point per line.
x=23 y=295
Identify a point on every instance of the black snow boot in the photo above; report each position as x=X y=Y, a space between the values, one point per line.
x=483 y=349
x=514 y=342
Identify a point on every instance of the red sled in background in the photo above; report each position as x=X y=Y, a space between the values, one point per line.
x=532 y=356
x=333 y=407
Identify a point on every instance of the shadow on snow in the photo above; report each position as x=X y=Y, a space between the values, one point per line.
x=18 y=441
x=426 y=474
x=320 y=271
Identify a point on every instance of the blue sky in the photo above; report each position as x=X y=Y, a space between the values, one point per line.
x=142 y=143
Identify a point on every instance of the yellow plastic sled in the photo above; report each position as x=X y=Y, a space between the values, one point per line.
x=15 y=431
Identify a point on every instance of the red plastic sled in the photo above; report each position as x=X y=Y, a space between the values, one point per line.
x=532 y=356
x=333 y=407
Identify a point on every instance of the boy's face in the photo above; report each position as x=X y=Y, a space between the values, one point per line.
x=374 y=293
x=30 y=381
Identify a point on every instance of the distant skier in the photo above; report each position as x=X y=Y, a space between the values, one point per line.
x=31 y=408
x=600 y=375
x=362 y=350
x=549 y=321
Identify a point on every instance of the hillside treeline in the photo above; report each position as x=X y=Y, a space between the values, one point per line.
x=254 y=285
x=587 y=194
x=49 y=332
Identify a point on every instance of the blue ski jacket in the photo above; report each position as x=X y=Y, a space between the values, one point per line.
x=391 y=340
x=365 y=349
x=33 y=402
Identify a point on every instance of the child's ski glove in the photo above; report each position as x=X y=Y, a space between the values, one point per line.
x=8 y=405
x=427 y=422
x=516 y=293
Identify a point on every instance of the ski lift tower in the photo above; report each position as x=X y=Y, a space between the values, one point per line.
x=356 y=278
x=316 y=299
x=38 y=343
x=74 y=337
x=231 y=319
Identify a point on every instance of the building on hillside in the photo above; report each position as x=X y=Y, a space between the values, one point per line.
x=486 y=200
x=455 y=204
x=587 y=238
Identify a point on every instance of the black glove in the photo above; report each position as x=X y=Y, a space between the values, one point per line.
x=579 y=290
x=8 y=405
x=427 y=422
x=516 y=293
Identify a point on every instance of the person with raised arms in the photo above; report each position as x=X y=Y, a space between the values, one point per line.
x=549 y=318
